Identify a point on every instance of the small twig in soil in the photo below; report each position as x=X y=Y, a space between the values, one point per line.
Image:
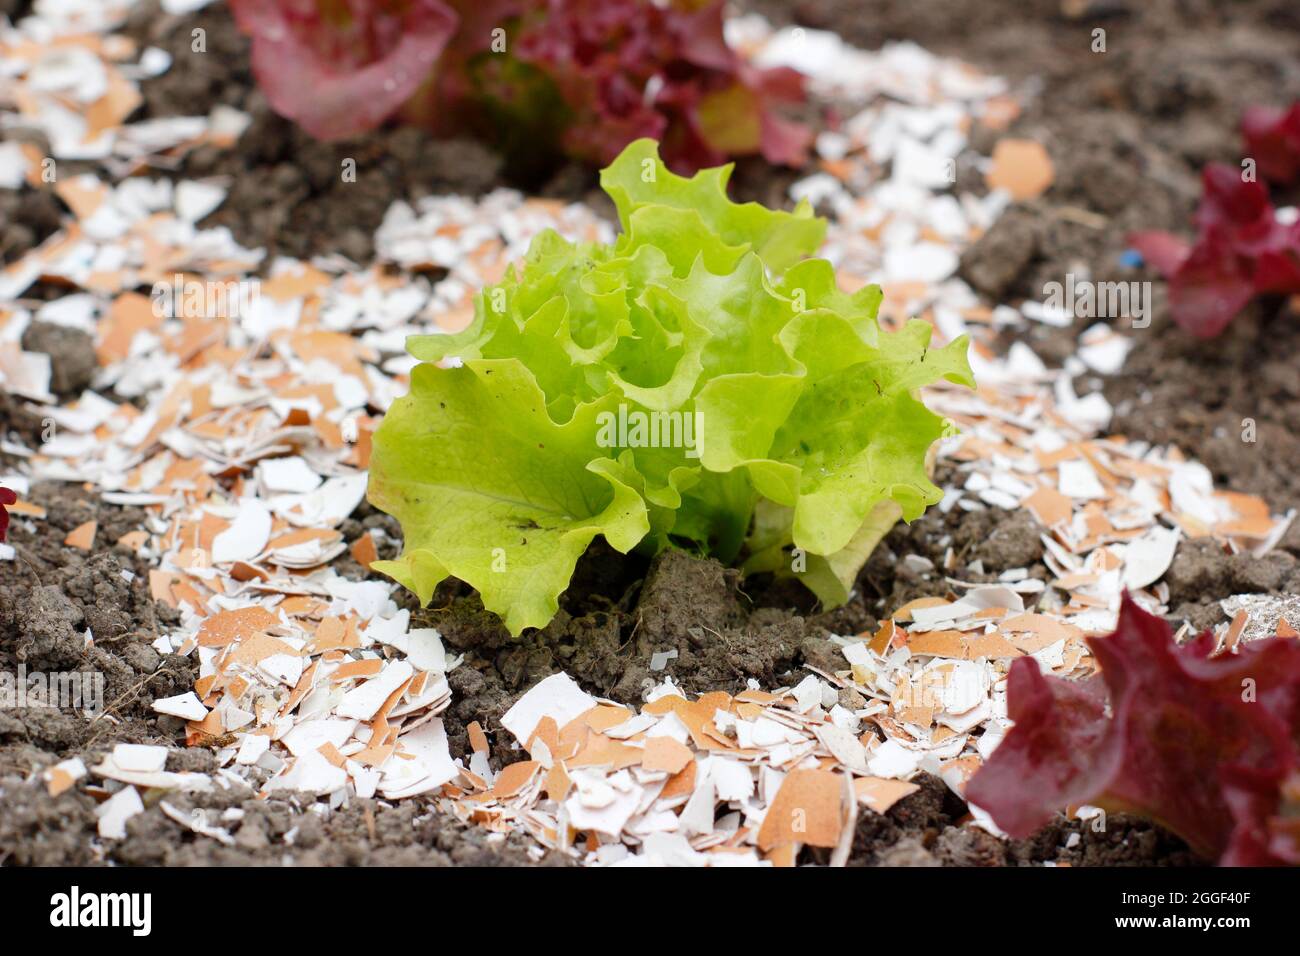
x=1082 y=217
x=131 y=694
x=30 y=567
x=631 y=636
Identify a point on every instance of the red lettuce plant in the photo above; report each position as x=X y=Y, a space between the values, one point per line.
x=7 y=497
x=1206 y=745
x=584 y=76
x=1242 y=249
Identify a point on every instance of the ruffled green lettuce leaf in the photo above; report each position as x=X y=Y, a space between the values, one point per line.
x=637 y=179
x=490 y=490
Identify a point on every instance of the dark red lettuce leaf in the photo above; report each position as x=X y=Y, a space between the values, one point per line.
x=1163 y=251
x=1228 y=200
x=1273 y=141
x=1206 y=745
x=1059 y=751
x=7 y=497
x=631 y=68
x=1211 y=285
x=341 y=67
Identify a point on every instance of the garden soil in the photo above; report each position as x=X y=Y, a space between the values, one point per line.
x=1127 y=130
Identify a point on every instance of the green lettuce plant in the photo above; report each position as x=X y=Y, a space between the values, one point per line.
x=699 y=382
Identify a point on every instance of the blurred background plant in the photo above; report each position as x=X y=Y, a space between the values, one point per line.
x=535 y=78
